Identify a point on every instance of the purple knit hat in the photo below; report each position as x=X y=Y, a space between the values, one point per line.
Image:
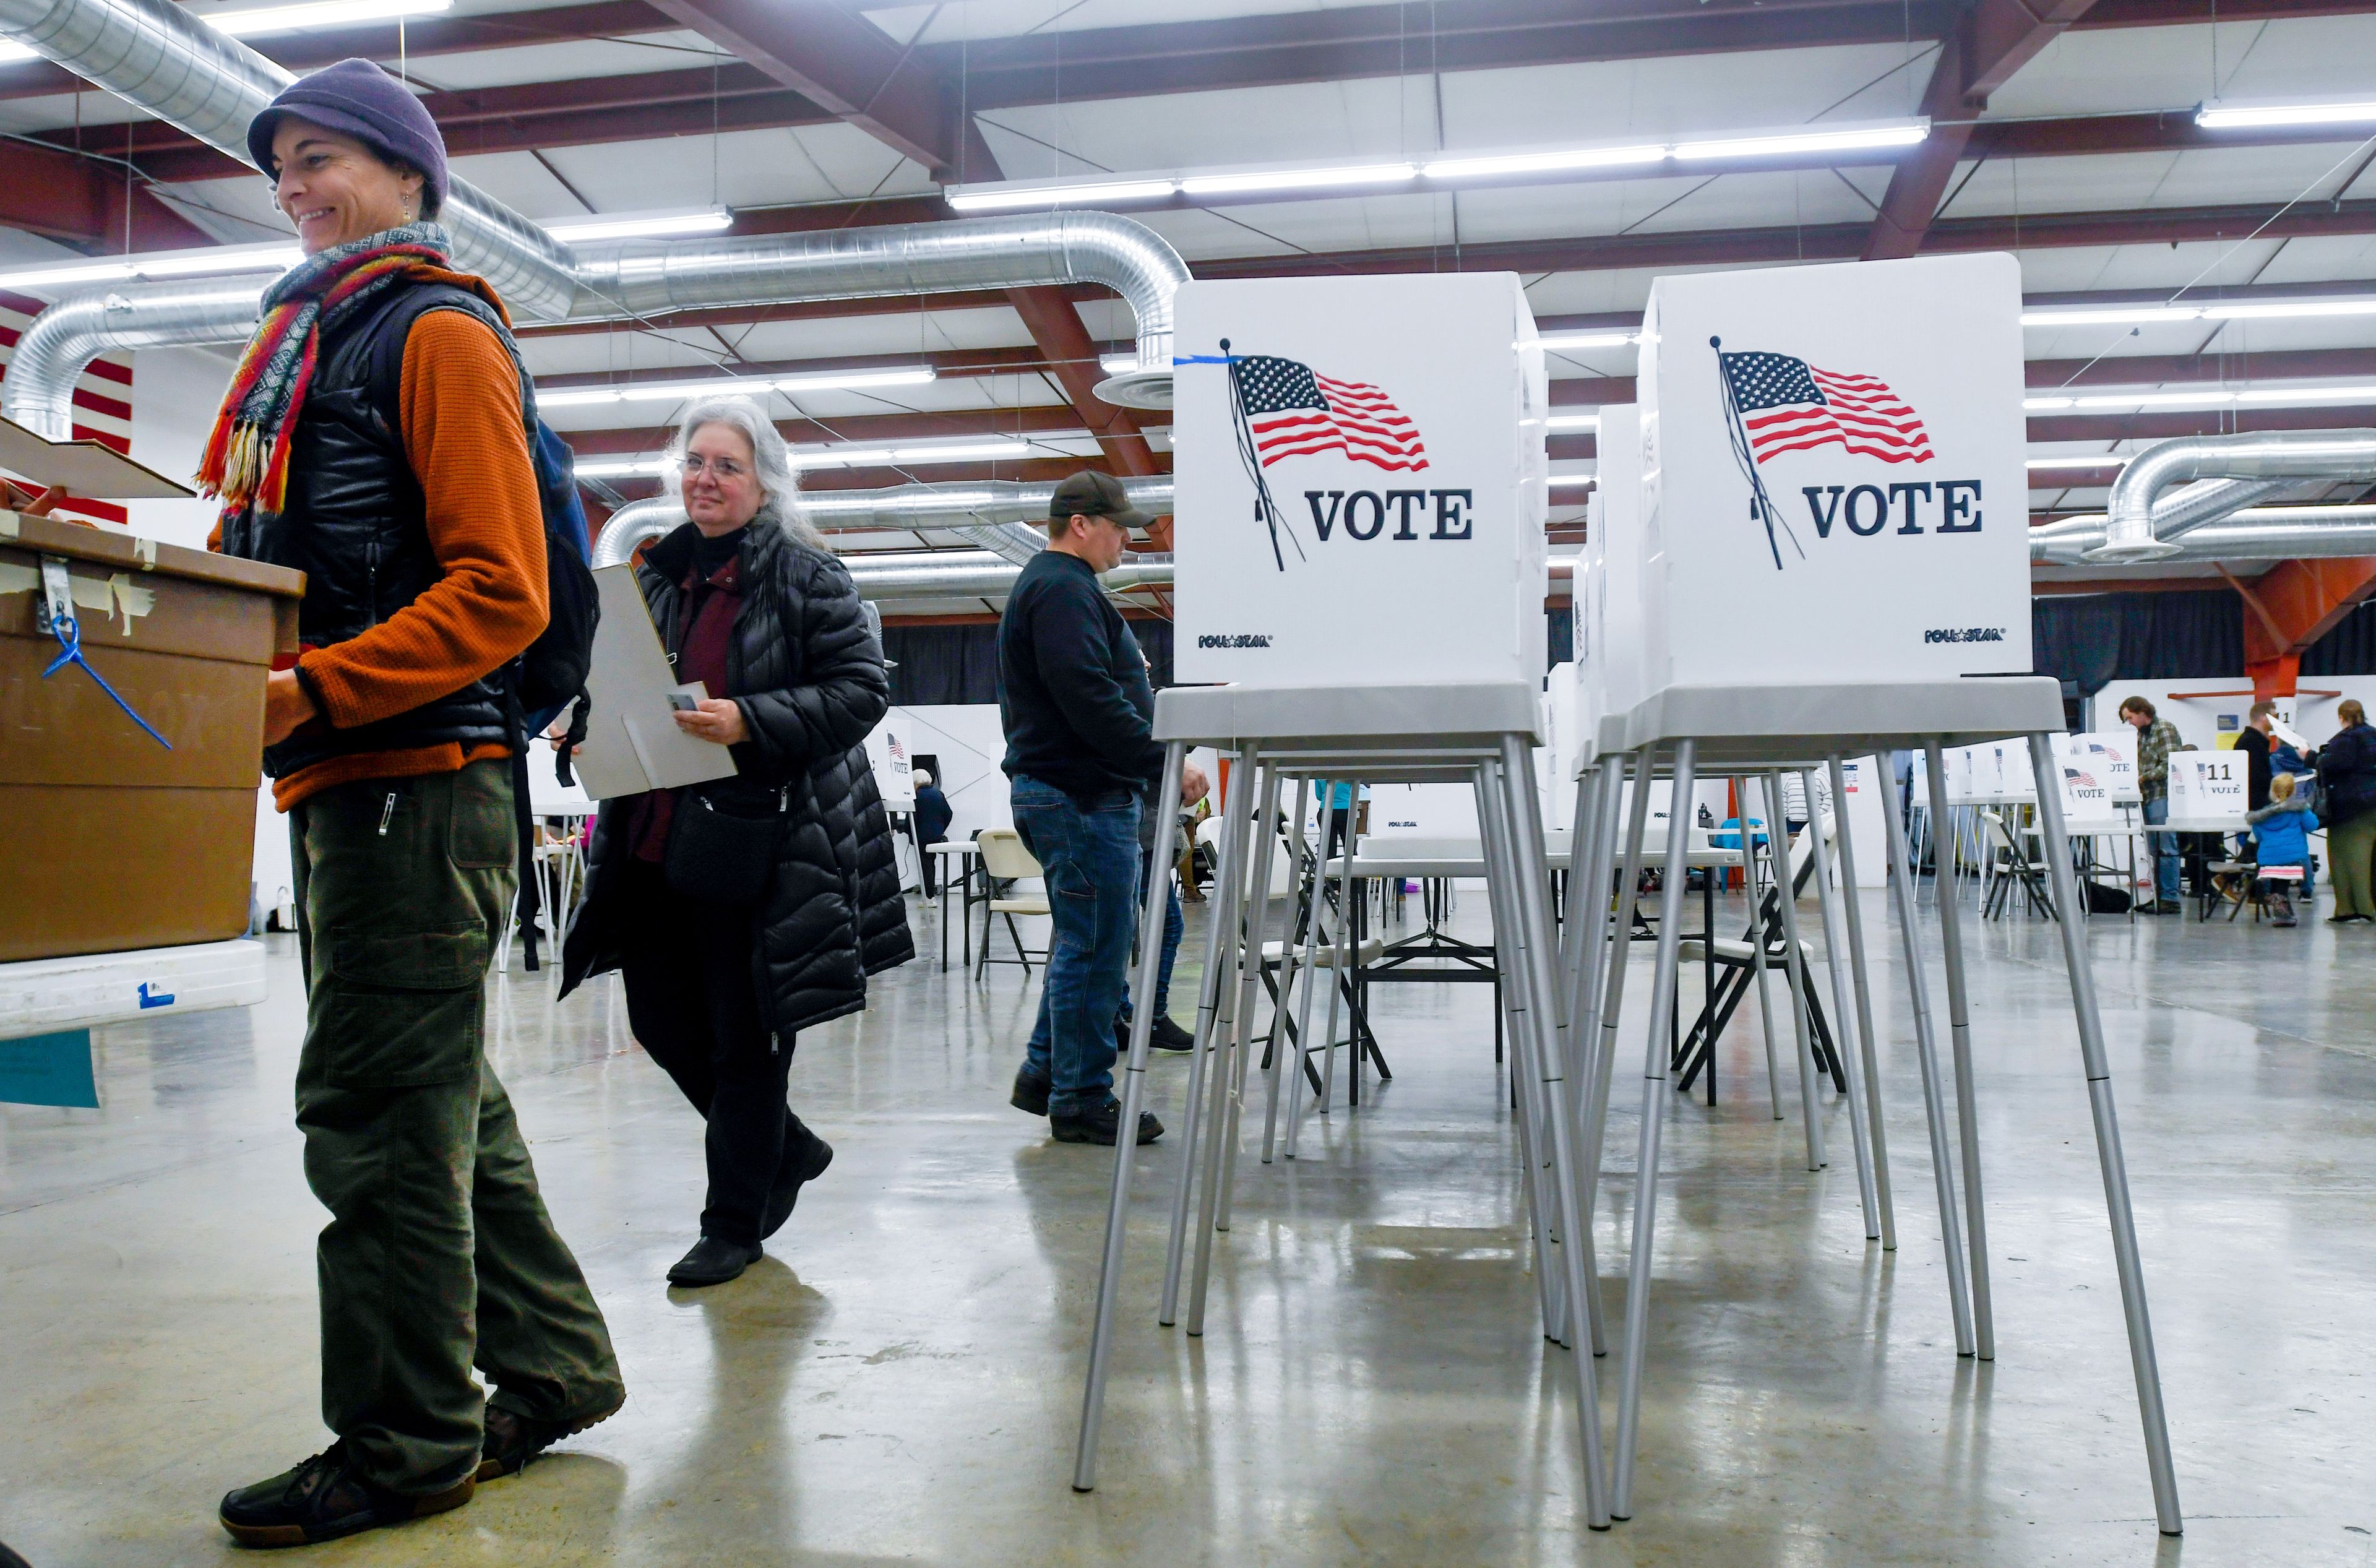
x=358 y=98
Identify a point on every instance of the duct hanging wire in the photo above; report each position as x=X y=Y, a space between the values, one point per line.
x=161 y=59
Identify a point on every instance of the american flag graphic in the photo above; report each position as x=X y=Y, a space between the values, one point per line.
x=1788 y=405
x=1292 y=410
x=2084 y=780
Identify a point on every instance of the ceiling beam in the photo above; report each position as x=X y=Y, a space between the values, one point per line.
x=833 y=56
x=86 y=201
x=1989 y=43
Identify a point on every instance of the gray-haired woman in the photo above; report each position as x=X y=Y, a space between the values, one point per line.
x=743 y=911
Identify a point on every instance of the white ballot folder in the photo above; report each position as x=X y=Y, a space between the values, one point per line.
x=632 y=740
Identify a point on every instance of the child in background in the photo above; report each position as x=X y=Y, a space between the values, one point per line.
x=2283 y=829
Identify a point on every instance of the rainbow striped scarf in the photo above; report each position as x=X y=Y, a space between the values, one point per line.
x=246 y=460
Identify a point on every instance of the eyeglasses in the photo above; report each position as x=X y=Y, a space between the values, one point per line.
x=726 y=470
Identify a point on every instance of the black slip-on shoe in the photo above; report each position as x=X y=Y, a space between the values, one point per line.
x=511 y=1440
x=324 y=1498
x=1031 y=1092
x=1099 y=1126
x=797 y=1171
x=1169 y=1036
x=2169 y=907
x=712 y=1262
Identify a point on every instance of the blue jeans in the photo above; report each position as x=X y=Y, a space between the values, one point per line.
x=1088 y=856
x=2165 y=850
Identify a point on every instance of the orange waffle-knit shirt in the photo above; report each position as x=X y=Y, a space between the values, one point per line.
x=464 y=437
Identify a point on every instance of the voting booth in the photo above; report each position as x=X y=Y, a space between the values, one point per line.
x=1361 y=483
x=1832 y=484
x=2206 y=791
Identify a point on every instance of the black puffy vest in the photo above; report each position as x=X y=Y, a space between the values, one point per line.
x=356 y=525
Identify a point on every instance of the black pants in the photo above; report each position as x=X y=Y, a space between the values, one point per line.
x=694 y=1003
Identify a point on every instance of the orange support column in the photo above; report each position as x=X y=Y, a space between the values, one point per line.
x=2293 y=605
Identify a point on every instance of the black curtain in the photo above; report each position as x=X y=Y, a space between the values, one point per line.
x=2348 y=649
x=1562 y=638
x=2095 y=639
x=959 y=664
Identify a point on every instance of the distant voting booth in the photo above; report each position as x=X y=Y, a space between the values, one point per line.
x=1614 y=544
x=1833 y=486
x=2206 y=791
x=1361 y=481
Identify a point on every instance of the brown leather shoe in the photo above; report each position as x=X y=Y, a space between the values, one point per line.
x=512 y=1439
x=324 y=1498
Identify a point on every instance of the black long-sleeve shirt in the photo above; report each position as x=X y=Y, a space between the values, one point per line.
x=1073 y=693
x=2255 y=747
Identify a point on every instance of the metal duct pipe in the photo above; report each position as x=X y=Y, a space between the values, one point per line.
x=995 y=513
x=2132 y=530
x=2258 y=533
x=154 y=54
x=978 y=574
x=39 y=390
x=650 y=278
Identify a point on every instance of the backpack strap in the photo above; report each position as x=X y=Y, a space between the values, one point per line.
x=384 y=337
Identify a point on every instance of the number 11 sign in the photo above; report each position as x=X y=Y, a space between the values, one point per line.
x=2207 y=784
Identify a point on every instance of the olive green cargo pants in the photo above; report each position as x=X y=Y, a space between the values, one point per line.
x=438 y=1254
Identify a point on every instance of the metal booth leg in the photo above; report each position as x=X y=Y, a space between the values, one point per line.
x=2108 y=1150
x=1134 y=1093
x=1613 y=995
x=1216 y=1008
x=1967 y=1122
x=1850 y=1061
x=1296 y=947
x=1526 y=872
x=1310 y=979
x=1585 y=936
x=1510 y=952
x=1654 y=1120
x=1352 y=895
x=1758 y=946
x=1866 y=1050
x=1794 y=961
x=1926 y=1051
x=1228 y=1071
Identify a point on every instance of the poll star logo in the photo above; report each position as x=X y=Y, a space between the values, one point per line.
x=1282 y=408
x=1778 y=403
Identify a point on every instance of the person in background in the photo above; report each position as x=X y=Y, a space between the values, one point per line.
x=1338 y=809
x=2254 y=744
x=1079 y=714
x=2157 y=738
x=2281 y=830
x=388 y=740
x=2346 y=779
x=931 y=820
x=720 y=979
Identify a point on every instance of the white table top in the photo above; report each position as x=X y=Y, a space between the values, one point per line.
x=954 y=847
x=1739 y=725
x=2200 y=825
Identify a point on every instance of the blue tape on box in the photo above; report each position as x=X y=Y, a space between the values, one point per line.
x=49 y=1070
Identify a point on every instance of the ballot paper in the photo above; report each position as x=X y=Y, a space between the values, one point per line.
x=632 y=740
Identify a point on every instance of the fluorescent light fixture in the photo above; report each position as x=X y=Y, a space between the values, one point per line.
x=1485 y=165
x=856 y=380
x=1118 y=365
x=574 y=396
x=1845 y=139
x=165 y=264
x=1573 y=421
x=1298 y=179
x=1570 y=482
x=2096 y=461
x=622 y=468
x=864 y=456
x=2272 y=310
x=2245 y=116
x=2111 y=315
x=2277 y=395
x=2241 y=310
x=632 y=226
x=674 y=391
x=1555 y=341
x=322 y=14
x=986 y=198
x=952 y=500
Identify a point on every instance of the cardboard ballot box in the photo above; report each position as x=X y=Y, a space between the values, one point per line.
x=109 y=841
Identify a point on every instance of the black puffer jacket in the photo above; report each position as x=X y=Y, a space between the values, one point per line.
x=807 y=672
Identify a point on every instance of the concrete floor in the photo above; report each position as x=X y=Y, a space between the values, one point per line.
x=900 y=1382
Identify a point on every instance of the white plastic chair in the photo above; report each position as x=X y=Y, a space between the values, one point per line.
x=1004 y=858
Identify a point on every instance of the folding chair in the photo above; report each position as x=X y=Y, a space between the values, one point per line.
x=1004 y=858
